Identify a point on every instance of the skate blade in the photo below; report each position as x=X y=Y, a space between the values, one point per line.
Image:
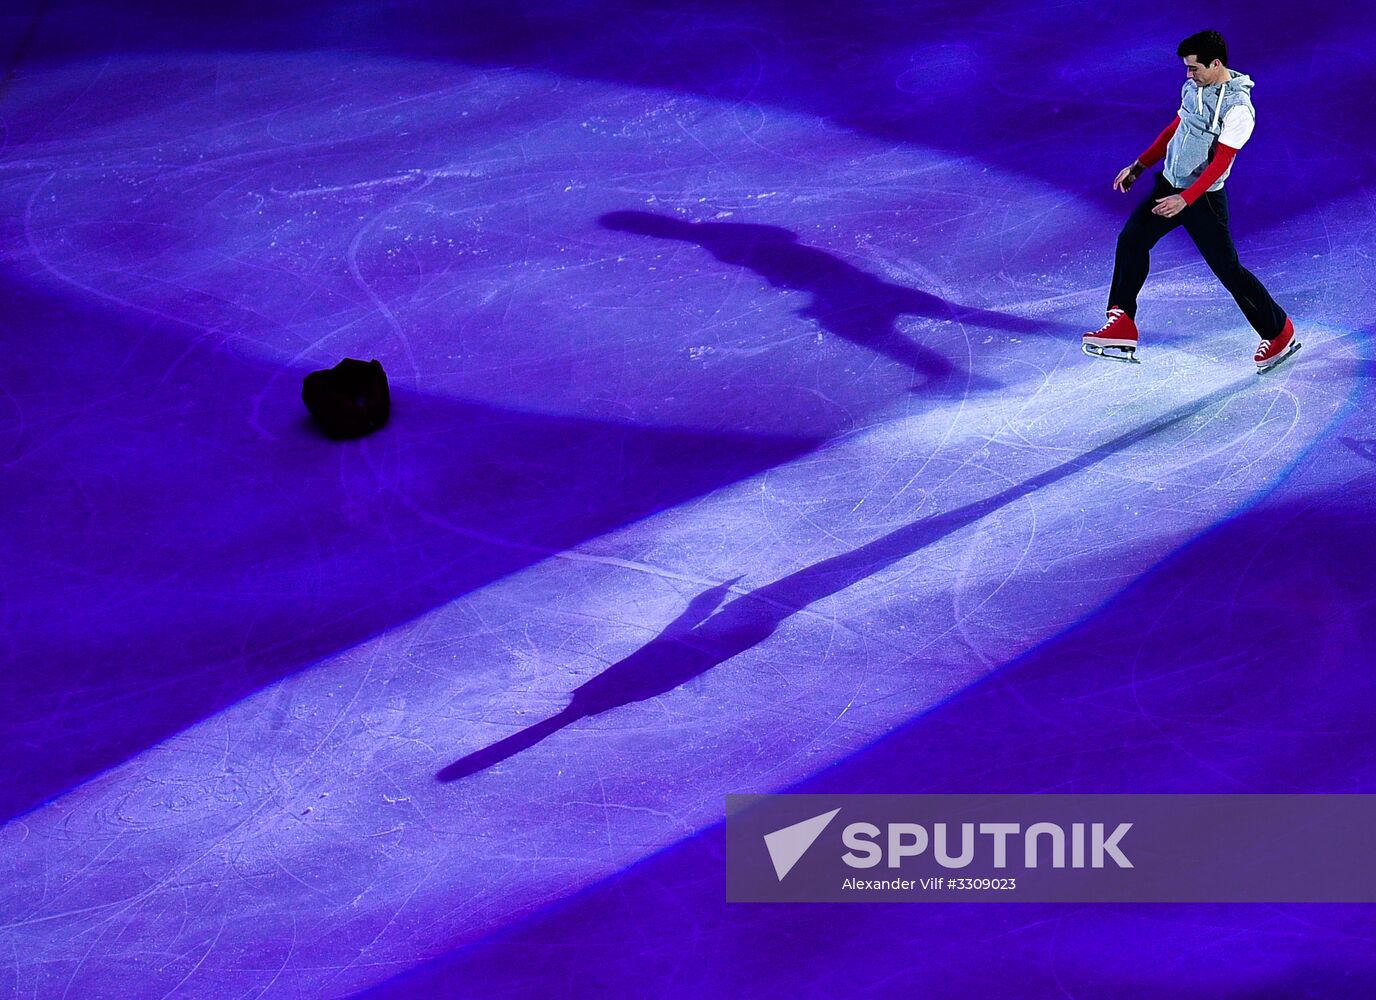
x=1289 y=353
x=1127 y=356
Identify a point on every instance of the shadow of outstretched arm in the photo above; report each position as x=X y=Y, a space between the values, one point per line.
x=481 y=760
x=641 y=675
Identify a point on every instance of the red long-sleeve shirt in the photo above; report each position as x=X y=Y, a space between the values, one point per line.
x=1222 y=159
x=1156 y=152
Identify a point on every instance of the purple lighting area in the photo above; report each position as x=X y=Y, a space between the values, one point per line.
x=740 y=441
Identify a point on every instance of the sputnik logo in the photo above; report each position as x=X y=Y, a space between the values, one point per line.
x=787 y=846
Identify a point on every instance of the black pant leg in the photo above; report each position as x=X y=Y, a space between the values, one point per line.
x=1207 y=223
x=1140 y=233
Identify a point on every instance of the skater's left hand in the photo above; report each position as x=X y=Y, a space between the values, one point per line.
x=1169 y=206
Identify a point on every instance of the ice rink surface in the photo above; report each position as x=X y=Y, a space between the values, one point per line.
x=741 y=442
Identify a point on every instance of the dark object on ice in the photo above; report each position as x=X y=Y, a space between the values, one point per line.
x=348 y=400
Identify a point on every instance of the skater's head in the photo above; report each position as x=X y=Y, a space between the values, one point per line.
x=1206 y=57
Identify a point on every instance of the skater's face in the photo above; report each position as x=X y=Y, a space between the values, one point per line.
x=1203 y=76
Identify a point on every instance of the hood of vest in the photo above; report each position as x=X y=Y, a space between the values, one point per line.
x=1204 y=107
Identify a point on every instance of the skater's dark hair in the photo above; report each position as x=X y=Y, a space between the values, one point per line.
x=1206 y=46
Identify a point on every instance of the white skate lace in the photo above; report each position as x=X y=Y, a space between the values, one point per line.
x=1113 y=317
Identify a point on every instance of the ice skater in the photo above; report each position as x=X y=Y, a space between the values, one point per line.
x=1215 y=120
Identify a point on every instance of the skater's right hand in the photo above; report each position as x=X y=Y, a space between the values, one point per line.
x=1127 y=176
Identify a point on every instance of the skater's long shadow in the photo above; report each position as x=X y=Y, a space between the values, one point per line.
x=699 y=639
x=851 y=303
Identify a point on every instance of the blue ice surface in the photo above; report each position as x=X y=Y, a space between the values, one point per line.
x=741 y=442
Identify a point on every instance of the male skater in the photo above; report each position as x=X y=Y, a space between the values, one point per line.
x=1215 y=121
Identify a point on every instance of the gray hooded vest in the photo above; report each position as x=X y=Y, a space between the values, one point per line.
x=1201 y=120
